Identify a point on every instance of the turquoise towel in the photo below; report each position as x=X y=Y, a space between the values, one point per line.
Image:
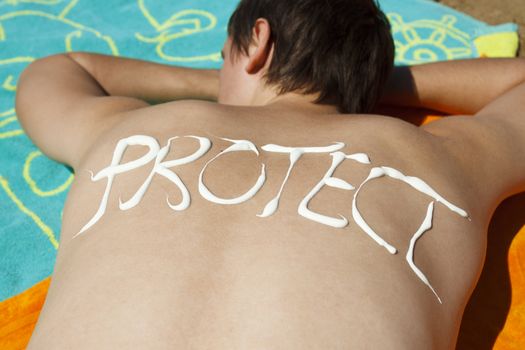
x=189 y=33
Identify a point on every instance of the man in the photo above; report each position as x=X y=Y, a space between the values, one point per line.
x=281 y=216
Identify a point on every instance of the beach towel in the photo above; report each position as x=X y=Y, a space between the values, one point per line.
x=191 y=33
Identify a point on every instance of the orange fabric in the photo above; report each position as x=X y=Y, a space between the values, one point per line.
x=18 y=316
x=513 y=335
x=431 y=118
x=488 y=318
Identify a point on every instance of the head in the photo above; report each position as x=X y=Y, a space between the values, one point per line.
x=341 y=52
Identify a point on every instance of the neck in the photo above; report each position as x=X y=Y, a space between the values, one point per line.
x=269 y=99
x=299 y=102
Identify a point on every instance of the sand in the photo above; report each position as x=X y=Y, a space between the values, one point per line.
x=494 y=12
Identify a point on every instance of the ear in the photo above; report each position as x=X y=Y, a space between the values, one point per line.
x=259 y=50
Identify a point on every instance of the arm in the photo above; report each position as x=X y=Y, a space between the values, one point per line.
x=454 y=87
x=65 y=101
x=488 y=141
x=148 y=81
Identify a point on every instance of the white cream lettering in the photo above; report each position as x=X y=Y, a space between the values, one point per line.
x=329 y=180
x=425 y=226
x=161 y=168
x=414 y=182
x=295 y=154
x=238 y=145
x=116 y=168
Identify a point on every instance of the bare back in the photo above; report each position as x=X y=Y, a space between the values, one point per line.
x=220 y=276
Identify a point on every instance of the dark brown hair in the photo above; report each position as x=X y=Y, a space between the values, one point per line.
x=341 y=49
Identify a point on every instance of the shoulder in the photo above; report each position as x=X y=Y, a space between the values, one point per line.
x=174 y=109
x=488 y=150
x=160 y=121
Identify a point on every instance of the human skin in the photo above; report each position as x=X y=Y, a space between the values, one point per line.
x=216 y=276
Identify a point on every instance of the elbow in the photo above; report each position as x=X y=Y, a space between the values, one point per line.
x=83 y=59
x=42 y=64
x=519 y=69
x=522 y=81
x=35 y=67
x=22 y=88
x=32 y=80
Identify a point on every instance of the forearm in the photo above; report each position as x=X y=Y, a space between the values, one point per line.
x=149 y=81
x=454 y=87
